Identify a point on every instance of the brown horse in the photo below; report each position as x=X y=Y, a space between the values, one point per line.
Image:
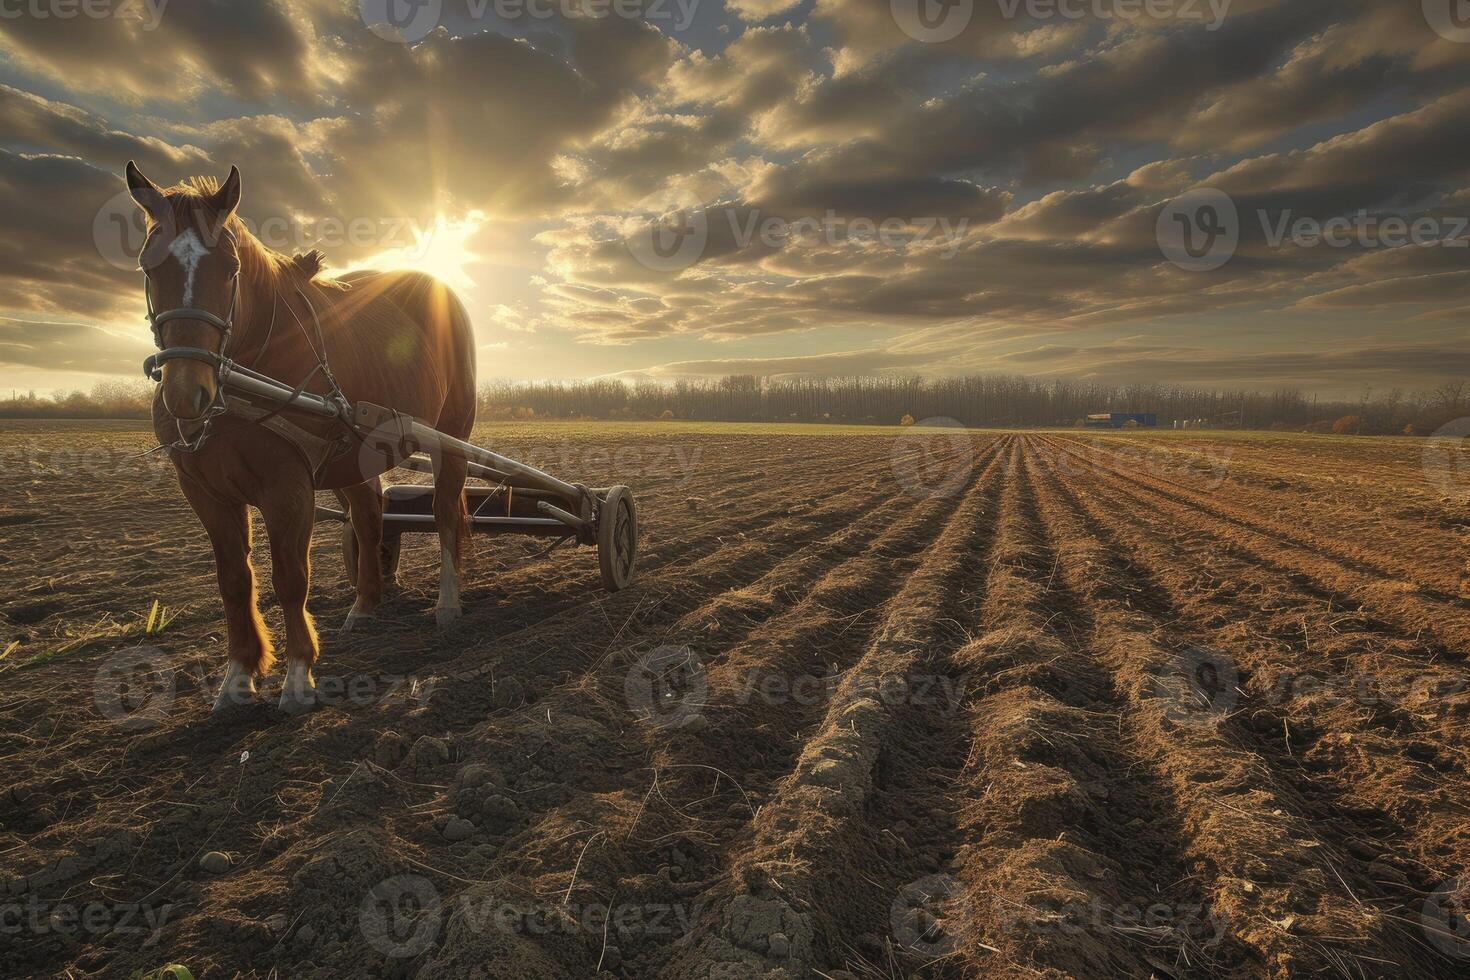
x=396 y=339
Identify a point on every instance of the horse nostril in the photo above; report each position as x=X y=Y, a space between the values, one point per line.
x=201 y=400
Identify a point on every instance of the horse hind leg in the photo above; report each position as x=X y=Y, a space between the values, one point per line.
x=451 y=518
x=364 y=505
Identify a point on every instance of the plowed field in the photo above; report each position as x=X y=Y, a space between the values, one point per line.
x=879 y=704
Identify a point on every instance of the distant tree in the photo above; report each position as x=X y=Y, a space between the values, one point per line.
x=1348 y=425
x=906 y=421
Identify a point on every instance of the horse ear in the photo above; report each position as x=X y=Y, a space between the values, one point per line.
x=227 y=198
x=147 y=194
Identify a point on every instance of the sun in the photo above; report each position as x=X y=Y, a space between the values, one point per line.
x=441 y=250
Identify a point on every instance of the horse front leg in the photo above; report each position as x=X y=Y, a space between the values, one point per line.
x=290 y=514
x=250 y=656
x=451 y=519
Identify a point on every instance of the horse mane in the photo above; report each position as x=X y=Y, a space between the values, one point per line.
x=258 y=261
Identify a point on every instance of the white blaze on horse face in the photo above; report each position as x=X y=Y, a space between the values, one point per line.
x=190 y=251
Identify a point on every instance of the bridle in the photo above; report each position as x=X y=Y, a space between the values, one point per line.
x=153 y=366
x=224 y=366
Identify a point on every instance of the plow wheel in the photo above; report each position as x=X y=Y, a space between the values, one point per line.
x=617 y=538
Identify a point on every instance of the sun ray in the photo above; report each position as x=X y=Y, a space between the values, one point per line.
x=441 y=250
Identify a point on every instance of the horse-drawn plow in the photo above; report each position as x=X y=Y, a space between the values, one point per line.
x=508 y=498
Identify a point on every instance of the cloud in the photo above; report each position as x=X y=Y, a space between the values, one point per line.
x=54 y=223
x=1022 y=168
x=160 y=50
x=758 y=10
x=71 y=346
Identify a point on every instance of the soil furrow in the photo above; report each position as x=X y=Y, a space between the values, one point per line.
x=1277 y=874
x=1061 y=818
x=783 y=905
x=1334 y=721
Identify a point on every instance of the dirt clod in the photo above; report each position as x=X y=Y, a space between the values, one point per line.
x=215 y=862
x=458 y=828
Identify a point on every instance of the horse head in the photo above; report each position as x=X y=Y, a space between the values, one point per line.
x=191 y=264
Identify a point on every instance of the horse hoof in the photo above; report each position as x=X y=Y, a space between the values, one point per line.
x=295 y=703
x=230 y=700
x=236 y=689
x=357 y=619
x=447 y=616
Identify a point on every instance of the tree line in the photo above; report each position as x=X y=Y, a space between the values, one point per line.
x=1003 y=401
x=980 y=400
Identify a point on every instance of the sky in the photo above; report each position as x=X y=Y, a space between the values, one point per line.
x=1230 y=193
